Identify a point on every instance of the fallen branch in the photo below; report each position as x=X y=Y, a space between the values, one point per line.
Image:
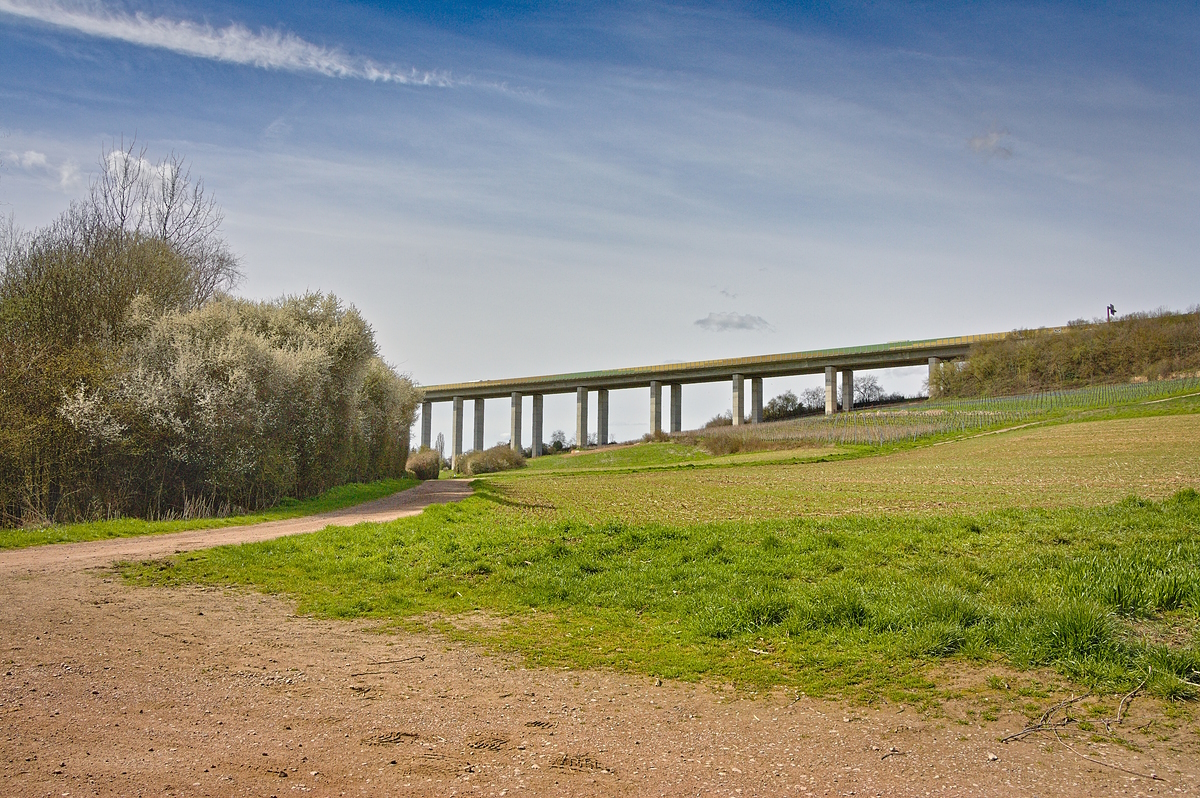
x=1127 y=700
x=1044 y=722
x=402 y=659
x=1153 y=776
x=1037 y=727
x=420 y=657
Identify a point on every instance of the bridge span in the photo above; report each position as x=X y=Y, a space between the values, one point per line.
x=738 y=371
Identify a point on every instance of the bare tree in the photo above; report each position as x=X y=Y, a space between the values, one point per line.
x=118 y=193
x=12 y=239
x=161 y=201
x=813 y=398
x=867 y=389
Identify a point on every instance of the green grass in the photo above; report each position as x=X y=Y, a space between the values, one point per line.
x=858 y=605
x=332 y=499
x=1076 y=465
x=620 y=457
x=949 y=418
x=845 y=575
x=872 y=432
x=637 y=457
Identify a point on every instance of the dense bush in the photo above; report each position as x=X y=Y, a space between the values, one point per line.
x=497 y=458
x=131 y=383
x=425 y=464
x=1138 y=346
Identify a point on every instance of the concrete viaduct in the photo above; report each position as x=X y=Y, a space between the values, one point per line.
x=739 y=371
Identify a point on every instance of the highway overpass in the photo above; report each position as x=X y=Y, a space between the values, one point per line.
x=738 y=371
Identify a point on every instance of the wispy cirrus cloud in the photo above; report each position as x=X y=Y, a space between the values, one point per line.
x=722 y=322
x=235 y=44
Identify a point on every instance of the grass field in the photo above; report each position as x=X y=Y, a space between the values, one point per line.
x=1079 y=465
x=654 y=456
x=832 y=575
x=333 y=499
x=942 y=418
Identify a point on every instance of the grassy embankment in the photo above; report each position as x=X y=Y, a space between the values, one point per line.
x=921 y=421
x=1146 y=346
x=844 y=577
x=332 y=499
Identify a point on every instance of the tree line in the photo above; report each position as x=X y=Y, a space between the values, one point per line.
x=133 y=382
x=1139 y=346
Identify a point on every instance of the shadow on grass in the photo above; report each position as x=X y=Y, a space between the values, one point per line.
x=495 y=494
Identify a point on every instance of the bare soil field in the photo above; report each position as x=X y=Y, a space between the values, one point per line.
x=108 y=689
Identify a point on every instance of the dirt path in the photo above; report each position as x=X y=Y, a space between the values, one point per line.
x=108 y=689
x=75 y=556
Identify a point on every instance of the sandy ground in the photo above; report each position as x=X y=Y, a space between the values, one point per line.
x=108 y=689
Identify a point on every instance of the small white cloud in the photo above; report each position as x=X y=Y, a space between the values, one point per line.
x=721 y=322
x=236 y=44
x=66 y=175
x=30 y=159
x=69 y=176
x=993 y=143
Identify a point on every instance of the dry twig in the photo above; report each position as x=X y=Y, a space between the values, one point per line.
x=1045 y=723
x=1127 y=700
x=1153 y=776
x=421 y=657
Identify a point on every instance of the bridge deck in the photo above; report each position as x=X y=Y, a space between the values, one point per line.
x=874 y=356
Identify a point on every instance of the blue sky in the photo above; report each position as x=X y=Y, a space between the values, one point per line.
x=512 y=189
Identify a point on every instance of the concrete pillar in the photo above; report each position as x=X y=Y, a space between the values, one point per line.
x=602 y=416
x=676 y=407
x=514 y=440
x=655 y=407
x=426 y=425
x=935 y=367
x=456 y=447
x=739 y=402
x=830 y=390
x=479 y=425
x=581 y=417
x=756 y=400
x=537 y=425
x=847 y=390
